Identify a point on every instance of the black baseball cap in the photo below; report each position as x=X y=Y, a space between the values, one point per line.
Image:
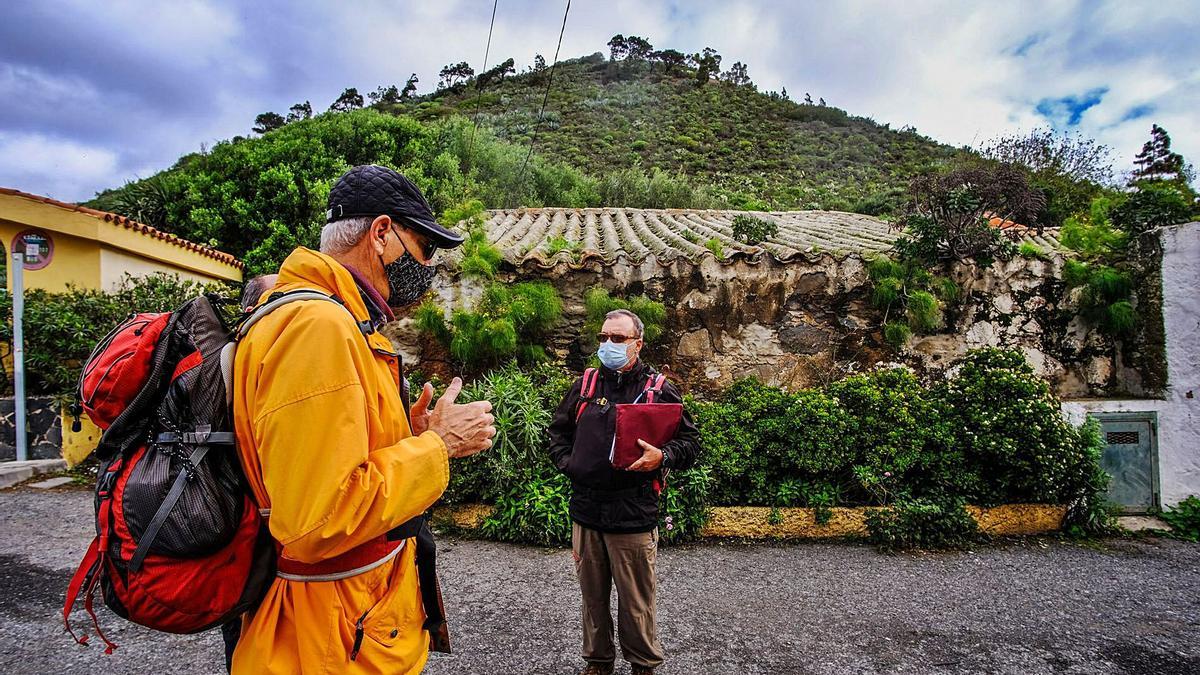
x=372 y=190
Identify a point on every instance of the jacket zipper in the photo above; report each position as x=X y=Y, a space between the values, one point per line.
x=358 y=635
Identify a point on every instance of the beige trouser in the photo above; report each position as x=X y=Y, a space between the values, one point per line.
x=627 y=559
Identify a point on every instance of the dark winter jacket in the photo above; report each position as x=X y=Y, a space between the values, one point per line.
x=604 y=498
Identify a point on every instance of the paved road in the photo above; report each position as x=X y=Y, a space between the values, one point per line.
x=1038 y=606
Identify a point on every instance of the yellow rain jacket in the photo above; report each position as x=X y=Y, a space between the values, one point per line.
x=327 y=448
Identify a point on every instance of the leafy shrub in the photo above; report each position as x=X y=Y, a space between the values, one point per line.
x=907 y=287
x=1091 y=234
x=61 y=329
x=921 y=524
x=685 y=500
x=1105 y=298
x=510 y=321
x=598 y=303
x=1031 y=250
x=717 y=248
x=1088 y=512
x=1009 y=427
x=948 y=214
x=1184 y=519
x=891 y=423
x=1154 y=204
x=534 y=512
x=752 y=229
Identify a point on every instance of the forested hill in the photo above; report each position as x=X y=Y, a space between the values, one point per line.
x=758 y=149
x=645 y=130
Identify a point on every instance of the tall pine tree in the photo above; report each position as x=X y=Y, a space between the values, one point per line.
x=1156 y=161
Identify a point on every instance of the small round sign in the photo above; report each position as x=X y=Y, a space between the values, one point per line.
x=38 y=248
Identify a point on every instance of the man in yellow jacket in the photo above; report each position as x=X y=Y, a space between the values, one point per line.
x=330 y=454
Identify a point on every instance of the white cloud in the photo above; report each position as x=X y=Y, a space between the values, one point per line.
x=159 y=79
x=56 y=166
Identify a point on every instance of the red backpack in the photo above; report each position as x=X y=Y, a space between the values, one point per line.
x=180 y=545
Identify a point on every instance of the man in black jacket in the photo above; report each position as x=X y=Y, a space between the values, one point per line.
x=614 y=511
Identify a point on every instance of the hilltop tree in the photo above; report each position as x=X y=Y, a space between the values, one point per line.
x=389 y=95
x=671 y=59
x=617 y=48
x=808 y=98
x=638 y=48
x=821 y=101
x=708 y=65
x=1157 y=162
x=268 y=121
x=452 y=74
x=410 y=87
x=349 y=100
x=496 y=74
x=539 y=63
x=300 y=111
x=784 y=94
x=737 y=75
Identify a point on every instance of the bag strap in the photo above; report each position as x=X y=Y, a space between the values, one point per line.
x=586 y=390
x=273 y=303
x=653 y=387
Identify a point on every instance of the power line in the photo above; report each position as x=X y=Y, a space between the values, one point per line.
x=545 y=98
x=478 y=95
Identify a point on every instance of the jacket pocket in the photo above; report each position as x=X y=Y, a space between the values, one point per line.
x=379 y=605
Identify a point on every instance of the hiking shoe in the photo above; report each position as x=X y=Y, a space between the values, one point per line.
x=597 y=669
x=642 y=670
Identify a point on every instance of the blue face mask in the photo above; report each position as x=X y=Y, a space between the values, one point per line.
x=613 y=356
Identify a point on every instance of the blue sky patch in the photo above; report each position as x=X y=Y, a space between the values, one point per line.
x=1138 y=112
x=1068 y=110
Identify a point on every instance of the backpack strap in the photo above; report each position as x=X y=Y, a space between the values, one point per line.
x=274 y=302
x=653 y=387
x=587 y=390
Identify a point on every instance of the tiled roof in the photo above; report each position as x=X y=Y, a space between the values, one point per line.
x=122 y=221
x=529 y=237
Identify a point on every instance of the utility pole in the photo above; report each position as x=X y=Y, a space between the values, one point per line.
x=18 y=291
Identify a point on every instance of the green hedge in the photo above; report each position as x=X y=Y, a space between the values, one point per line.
x=991 y=433
x=62 y=328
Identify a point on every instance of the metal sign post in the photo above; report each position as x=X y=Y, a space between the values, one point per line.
x=18 y=291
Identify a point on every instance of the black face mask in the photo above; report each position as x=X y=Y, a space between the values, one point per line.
x=407 y=279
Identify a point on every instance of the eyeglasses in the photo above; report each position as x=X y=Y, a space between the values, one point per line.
x=616 y=339
x=429 y=248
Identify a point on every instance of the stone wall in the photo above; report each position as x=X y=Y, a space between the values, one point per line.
x=42 y=423
x=810 y=321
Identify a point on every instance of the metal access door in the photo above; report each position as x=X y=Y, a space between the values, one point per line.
x=1131 y=458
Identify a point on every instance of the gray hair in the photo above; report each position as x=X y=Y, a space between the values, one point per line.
x=342 y=235
x=637 y=321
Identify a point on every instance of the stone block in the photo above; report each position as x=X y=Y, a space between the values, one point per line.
x=51 y=483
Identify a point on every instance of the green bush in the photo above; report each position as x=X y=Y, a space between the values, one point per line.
x=717 y=248
x=598 y=303
x=992 y=433
x=1184 y=519
x=61 y=329
x=1106 y=295
x=1009 y=427
x=752 y=229
x=891 y=424
x=922 y=524
x=510 y=321
x=907 y=288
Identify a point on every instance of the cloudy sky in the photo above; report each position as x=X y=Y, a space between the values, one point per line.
x=93 y=94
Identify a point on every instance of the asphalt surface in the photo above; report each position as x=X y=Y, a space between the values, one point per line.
x=1031 y=606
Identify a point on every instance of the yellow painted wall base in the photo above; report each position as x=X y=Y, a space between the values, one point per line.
x=754 y=522
x=77 y=445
